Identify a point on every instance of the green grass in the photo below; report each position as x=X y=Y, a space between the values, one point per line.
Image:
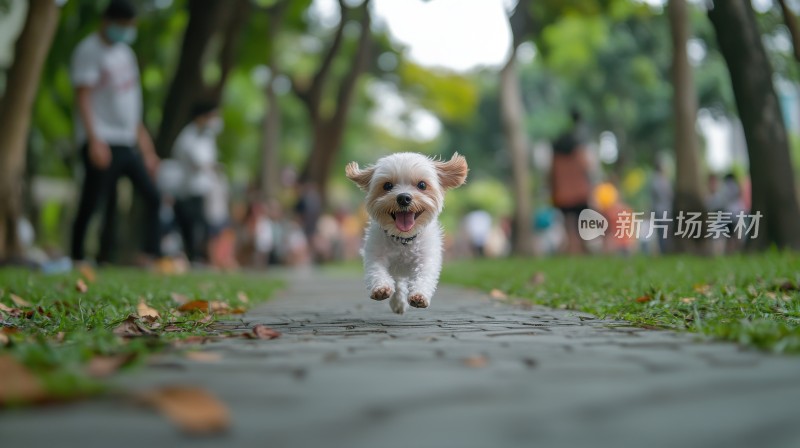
x=750 y=299
x=64 y=329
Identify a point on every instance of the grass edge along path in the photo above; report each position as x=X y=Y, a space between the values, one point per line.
x=62 y=335
x=753 y=300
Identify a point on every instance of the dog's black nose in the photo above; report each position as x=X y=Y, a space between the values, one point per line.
x=403 y=199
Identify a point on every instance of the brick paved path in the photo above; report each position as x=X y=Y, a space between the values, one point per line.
x=467 y=372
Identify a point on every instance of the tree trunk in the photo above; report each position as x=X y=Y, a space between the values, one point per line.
x=206 y=19
x=271 y=128
x=30 y=53
x=773 y=184
x=791 y=24
x=689 y=191
x=328 y=131
x=512 y=111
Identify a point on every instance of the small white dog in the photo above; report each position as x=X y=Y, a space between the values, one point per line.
x=403 y=243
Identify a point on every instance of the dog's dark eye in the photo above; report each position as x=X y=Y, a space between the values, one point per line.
x=388 y=186
x=422 y=185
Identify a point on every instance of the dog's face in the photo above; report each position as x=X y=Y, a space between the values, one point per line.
x=405 y=191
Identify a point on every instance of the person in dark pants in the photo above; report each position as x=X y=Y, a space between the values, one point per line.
x=570 y=183
x=195 y=150
x=110 y=132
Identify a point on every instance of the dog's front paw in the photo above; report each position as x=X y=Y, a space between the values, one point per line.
x=418 y=301
x=381 y=293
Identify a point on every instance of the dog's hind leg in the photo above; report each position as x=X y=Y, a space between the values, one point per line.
x=399 y=301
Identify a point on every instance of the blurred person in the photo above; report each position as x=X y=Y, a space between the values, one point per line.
x=570 y=183
x=728 y=198
x=221 y=245
x=661 y=197
x=308 y=209
x=196 y=151
x=108 y=127
x=616 y=240
x=548 y=230
x=477 y=225
x=328 y=239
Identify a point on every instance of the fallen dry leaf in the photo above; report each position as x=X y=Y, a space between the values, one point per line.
x=537 y=278
x=193 y=410
x=204 y=356
x=171 y=266
x=144 y=310
x=644 y=299
x=242 y=297
x=180 y=299
x=497 y=294
x=81 y=286
x=19 y=385
x=264 y=332
x=130 y=328
x=688 y=299
x=12 y=312
x=19 y=301
x=476 y=361
x=702 y=288
x=3 y=340
x=104 y=366
x=88 y=273
x=214 y=306
x=60 y=336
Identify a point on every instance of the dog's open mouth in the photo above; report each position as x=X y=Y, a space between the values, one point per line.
x=404 y=221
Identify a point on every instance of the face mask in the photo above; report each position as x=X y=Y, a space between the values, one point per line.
x=121 y=34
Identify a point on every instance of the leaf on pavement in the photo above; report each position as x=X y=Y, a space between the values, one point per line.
x=263 y=332
x=497 y=294
x=145 y=311
x=476 y=361
x=130 y=328
x=19 y=301
x=204 y=356
x=104 y=366
x=194 y=410
x=81 y=286
x=19 y=385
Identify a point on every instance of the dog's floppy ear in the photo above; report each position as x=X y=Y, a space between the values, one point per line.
x=359 y=176
x=452 y=173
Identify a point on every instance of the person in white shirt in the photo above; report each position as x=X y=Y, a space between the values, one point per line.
x=195 y=150
x=109 y=129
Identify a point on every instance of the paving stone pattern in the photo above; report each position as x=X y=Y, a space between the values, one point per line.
x=467 y=372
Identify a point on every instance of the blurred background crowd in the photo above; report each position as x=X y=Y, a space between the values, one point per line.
x=214 y=133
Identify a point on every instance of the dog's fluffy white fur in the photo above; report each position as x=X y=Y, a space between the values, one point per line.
x=403 y=243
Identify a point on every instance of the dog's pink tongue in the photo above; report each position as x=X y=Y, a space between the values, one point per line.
x=404 y=221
